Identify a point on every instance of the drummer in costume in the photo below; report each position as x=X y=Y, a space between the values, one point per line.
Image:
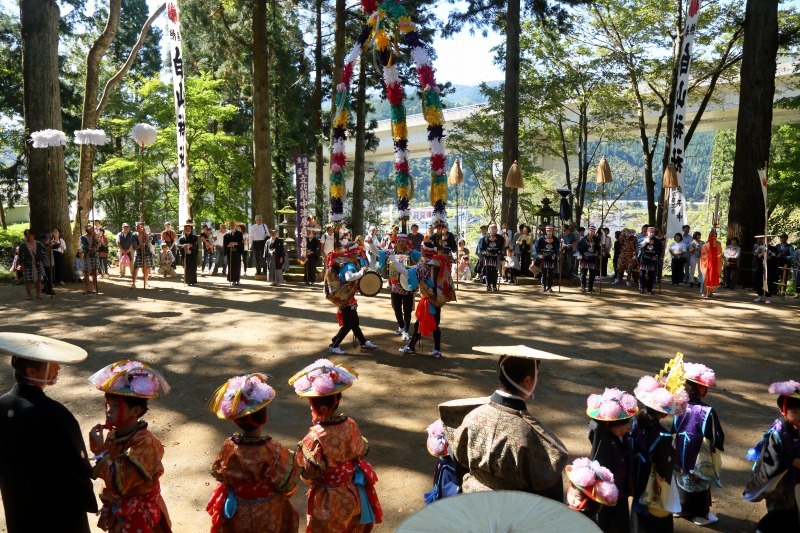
x=402 y=299
x=256 y=475
x=44 y=472
x=144 y=257
x=697 y=445
x=433 y=276
x=776 y=472
x=546 y=250
x=612 y=448
x=650 y=251
x=341 y=495
x=189 y=244
x=129 y=457
x=500 y=443
x=591 y=488
x=589 y=251
x=654 y=455
x=492 y=251
x=341 y=283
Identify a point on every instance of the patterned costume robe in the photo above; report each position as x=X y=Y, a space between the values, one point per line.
x=628 y=262
x=341 y=484
x=652 y=448
x=700 y=422
x=260 y=475
x=505 y=448
x=615 y=454
x=131 y=470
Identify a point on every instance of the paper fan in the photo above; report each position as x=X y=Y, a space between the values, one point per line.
x=38 y=348
x=497 y=512
x=144 y=134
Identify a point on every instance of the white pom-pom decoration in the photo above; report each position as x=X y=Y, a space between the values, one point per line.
x=390 y=75
x=437 y=146
x=421 y=57
x=339 y=146
x=91 y=137
x=144 y=134
x=354 y=54
x=48 y=138
x=338 y=217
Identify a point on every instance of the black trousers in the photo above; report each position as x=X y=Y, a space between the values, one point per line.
x=59 y=267
x=592 y=272
x=310 y=270
x=730 y=277
x=190 y=270
x=646 y=279
x=604 y=265
x=258 y=254
x=491 y=276
x=437 y=333
x=547 y=277
x=403 y=304
x=349 y=323
x=479 y=268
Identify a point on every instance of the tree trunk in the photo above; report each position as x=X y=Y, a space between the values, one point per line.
x=262 y=145
x=316 y=102
x=90 y=116
x=754 y=126
x=511 y=111
x=357 y=222
x=3 y=215
x=47 y=190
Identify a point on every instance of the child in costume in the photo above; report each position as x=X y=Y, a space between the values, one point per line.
x=256 y=475
x=129 y=458
x=612 y=448
x=697 y=445
x=776 y=472
x=591 y=487
x=655 y=495
x=341 y=494
x=445 y=481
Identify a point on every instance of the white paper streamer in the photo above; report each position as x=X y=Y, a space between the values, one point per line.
x=338 y=146
x=437 y=146
x=48 y=138
x=354 y=54
x=144 y=134
x=390 y=75
x=93 y=137
x=420 y=56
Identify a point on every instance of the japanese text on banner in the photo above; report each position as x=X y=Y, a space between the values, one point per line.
x=301 y=183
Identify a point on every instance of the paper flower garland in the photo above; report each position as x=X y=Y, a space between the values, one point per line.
x=144 y=134
x=48 y=138
x=90 y=137
x=378 y=31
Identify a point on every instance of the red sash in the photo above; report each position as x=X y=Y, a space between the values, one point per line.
x=427 y=324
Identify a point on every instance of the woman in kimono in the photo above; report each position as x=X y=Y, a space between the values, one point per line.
x=31 y=258
x=233 y=243
x=698 y=432
x=189 y=244
x=129 y=458
x=341 y=495
x=144 y=257
x=776 y=472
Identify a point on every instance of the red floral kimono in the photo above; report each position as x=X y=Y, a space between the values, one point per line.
x=257 y=477
x=342 y=496
x=131 y=469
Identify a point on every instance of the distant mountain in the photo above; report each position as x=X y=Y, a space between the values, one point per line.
x=462 y=96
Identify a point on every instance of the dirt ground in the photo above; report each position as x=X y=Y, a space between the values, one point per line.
x=200 y=336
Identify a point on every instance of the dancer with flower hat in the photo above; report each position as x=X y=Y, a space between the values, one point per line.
x=697 y=445
x=612 y=447
x=129 y=457
x=342 y=273
x=256 y=475
x=341 y=494
x=591 y=488
x=776 y=472
x=445 y=478
x=655 y=495
x=402 y=299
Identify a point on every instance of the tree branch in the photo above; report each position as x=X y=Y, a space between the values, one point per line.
x=116 y=78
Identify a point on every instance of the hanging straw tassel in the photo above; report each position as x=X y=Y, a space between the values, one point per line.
x=410 y=187
x=456 y=177
x=670 y=180
x=603 y=172
x=514 y=177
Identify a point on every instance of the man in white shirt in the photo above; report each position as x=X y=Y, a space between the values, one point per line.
x=687 y=243
x=327 y=240
x=220 y=260
x=371 y=242
x=258 y=238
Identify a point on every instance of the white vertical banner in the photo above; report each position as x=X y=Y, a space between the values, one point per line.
x=676 y=202
x=176 y=58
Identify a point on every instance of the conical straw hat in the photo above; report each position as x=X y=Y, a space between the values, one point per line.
x=456 y=176
x=514 y=177
x=603 y=172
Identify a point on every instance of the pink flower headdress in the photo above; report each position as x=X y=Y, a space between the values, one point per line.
x=595 y=481
x=437 y=441
x=700 y=374
x=322 y=378
x=786 y=388
x=241 y=396
x=613 y=404
x=665 y=392
x=130 y=378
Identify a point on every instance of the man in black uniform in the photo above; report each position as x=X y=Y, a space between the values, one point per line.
x=189 y=244
x=445 y=241
x=547 y=250
x=649 y=256
x=589 y=251
x=44 y=472
x=312 y=258
x=492 y=253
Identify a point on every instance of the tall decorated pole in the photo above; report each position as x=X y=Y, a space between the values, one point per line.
x=94 y=138
x=763 y=174
x=676 y=203
x=176 y=59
